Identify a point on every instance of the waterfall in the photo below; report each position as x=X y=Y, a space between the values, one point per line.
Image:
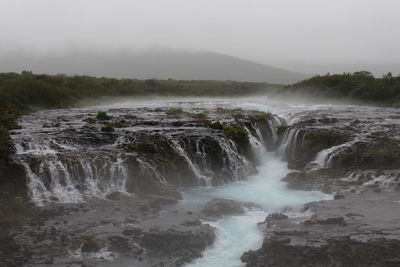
x=324 y=158
x=146 y=166
x=75 y=162
x=257 y=142
x=67 y=176
x=273 y=124
x=234 y=162
x=74 y=178
x=202 y=179
x=289 y=143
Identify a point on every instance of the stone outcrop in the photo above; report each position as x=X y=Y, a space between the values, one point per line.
x=358 y=230
x=144 y=151
x=219 y=207
x=355 y=157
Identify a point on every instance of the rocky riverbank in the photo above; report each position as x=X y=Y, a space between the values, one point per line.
x=103 y=185
x=127 y=230
x=356 y=157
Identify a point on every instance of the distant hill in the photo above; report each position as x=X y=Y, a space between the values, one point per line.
x=160 y=64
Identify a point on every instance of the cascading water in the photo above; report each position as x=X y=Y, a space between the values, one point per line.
x=74 y=179
x=287 y=147
x=74 y=162
x=237 y=234
x=323 y=158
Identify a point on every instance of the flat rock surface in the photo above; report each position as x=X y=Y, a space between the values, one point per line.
x=219 y=207
x=134 y=231
x=368 y=221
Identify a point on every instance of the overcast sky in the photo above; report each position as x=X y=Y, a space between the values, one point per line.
x=270 y=31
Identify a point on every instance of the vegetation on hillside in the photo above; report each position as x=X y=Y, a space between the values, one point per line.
x=361 y=86
x=25 y=92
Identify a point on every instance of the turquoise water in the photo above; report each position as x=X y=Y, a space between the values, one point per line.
x=237 y=234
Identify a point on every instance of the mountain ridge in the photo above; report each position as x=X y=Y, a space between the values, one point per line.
x=159 y=64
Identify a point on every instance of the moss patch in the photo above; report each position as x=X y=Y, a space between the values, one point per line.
x=108 y=128
x=217 y=125
x=280 y=129
x=174 y=111
x=237 y=133
x=143 y=147
x=102 y=116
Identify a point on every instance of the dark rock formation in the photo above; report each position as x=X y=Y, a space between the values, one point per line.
x=219 y=207
x=311 y=141
x=337 y=252
x=383 y=153
x=150 y=152
x=171 y=242
x=358 y=230
x=90 y=246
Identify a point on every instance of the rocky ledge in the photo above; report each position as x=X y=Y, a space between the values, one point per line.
x=359 y=230
x=332 y=150
x=91 y=153
x=219 y=207
x=103 y=185
x=355 y=156
x=125 y=231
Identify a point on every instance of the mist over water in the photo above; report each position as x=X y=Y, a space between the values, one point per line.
x=238 y=234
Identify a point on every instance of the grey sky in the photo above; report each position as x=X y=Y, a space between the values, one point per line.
x=269 y=31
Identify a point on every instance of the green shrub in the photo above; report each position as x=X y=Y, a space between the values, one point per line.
x=237 y=133
x=108 y=128
x=130 y=116
x=280 y=129
x=217 y=125
x=173 y=111
x=143 y=147
x=120 y=123
x=200 y=116
x=261 y=115
x=103 y=116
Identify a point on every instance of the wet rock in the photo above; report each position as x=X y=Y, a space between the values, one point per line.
x=90 y=246
x=178 y=243
x=343 y=252
x=336 y=220
x=383 y=153
x=290 y=233
x=272 y=218
x=327 y=239
x=151 y=160
x=119 y=244
x=116 y=196
x=276 y=216
x=193 y=222
x=219 y=207
x=325 y=180
x=131 y=230
x=311 y=141
x=338 y=195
